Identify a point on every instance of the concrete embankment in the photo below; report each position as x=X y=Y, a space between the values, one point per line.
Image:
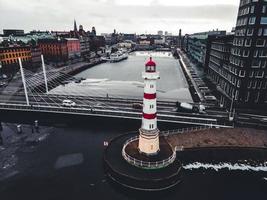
x=196 y=96
x=221 y=145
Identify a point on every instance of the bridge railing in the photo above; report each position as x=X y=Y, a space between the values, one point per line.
x=143 y=164
x=108 y=112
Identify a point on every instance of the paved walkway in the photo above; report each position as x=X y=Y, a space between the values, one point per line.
x=237 y=137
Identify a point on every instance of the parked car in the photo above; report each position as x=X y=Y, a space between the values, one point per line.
x=184 y=106
x=68 y=103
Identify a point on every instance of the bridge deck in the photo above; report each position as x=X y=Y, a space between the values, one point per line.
x=224 y=137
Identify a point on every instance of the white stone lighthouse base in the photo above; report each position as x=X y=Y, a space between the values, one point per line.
x=149 y=142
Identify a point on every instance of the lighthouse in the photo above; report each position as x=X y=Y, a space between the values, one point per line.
x=149 y=132
x=145 y=152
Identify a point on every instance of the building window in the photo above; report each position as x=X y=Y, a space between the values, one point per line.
x=260 y=43
x=260 y=32
x=238 y=83
x=256 y=54
x=255 y=63
x=252 y=20
x=263 y=53
x=248 y=42
x=255 y=84
x=250 y=32
x=260 y=85
x=246 y=53
x=251 y=74
x=264 y=20
x=252 y=9
x=259 y=74
x=263 y=64
x=236 y=95
x=257 y=97
x=263 y=9
x=247 y=96
x=242 y=73
x=265 y=32
x=249 y=84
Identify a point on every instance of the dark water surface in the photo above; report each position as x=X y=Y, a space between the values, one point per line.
x=68 y=165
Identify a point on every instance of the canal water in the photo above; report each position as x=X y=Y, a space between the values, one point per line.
x=69 y=165
x=124 y=79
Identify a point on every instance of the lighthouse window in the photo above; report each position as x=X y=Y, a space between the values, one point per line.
x=151 y=106
x=151 y=86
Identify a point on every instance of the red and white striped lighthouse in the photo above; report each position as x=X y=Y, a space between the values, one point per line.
x=149 y=133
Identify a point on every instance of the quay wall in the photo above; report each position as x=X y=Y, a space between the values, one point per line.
x=191 y=86
x=230 y=154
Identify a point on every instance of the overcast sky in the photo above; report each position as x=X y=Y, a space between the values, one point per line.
x=132 y=16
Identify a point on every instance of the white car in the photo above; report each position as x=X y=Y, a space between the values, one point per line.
x=68 y=103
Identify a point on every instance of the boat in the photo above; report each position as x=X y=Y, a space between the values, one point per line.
x=105 y=58
x=118 y=56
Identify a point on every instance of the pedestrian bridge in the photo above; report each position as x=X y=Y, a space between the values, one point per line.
x=163 y=115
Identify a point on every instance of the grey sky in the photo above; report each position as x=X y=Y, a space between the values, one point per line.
x=131 y=16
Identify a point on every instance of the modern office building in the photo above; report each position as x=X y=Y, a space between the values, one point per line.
x=196 y=45
x=243 y=79
x=217 y=64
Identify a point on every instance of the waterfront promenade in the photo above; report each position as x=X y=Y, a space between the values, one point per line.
x=223 y=137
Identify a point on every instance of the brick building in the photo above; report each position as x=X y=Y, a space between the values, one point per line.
x=9 y=57
x=36 y=56
x=73 y=48
x=60 y=49
x=53 y=49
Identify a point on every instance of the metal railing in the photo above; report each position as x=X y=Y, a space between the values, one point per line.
x=184 y=130
x=110 y=113
x=145 y=164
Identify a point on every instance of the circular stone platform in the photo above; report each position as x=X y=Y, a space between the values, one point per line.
x=128 y=175
x=163 y=158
